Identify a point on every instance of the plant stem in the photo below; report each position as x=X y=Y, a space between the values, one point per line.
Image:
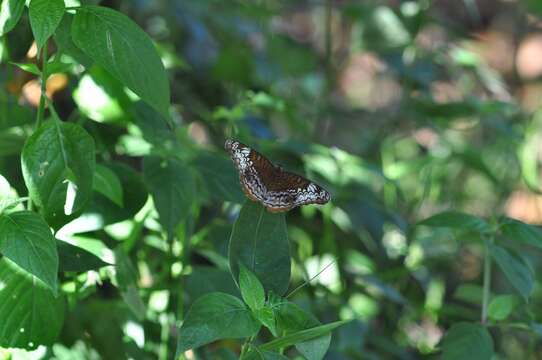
x=487 y=281
x=41 y=106
x=43 y=95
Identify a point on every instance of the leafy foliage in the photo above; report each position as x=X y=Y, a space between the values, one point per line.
x=124 y=232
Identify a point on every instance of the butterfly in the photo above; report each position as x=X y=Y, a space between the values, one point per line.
x=276 y=189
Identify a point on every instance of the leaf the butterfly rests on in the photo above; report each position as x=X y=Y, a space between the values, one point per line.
x=276 y=189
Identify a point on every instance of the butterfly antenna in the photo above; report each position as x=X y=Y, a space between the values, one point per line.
x=311 y=279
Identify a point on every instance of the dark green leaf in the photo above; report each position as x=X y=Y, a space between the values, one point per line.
x=63 y=38
x=251 y=288
x=10 y=13
x=74 y=258
x=502 y=306
x=153 y=125
x=292 y=318
x=206 y=279
x=134 y=196
x=107 y=183
x=516 y=270
x=258 y=354
x=11 y=143
x=119 y=45
x=126 y=275
x=55 y=155
x=215 y=316
x=465 y=341
x=45 y=15
x=456 y=220
x=27 y=240
x=30 y=314
x=259 y=240
x=12 y=114
x=219 y=177
x=171 y=184
x=519 y=231
x=28 y=67
x=302 y=336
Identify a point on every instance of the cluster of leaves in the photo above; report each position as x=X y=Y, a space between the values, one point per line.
x=153 y=247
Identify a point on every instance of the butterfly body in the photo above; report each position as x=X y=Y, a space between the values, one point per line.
x=278 y=190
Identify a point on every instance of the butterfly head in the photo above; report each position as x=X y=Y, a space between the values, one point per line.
x=231 y=145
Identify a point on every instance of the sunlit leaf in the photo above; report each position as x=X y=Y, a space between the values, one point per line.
x=10 y=13
x=45 y=15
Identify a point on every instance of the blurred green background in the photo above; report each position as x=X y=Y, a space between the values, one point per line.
x=400 y=109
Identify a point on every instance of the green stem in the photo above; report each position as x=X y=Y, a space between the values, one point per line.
x=43 y=97
x=41 y=106
x=487 y=281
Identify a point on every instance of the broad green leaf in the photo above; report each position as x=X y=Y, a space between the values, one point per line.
x=516 y=270
x=258 y=354
x=302 y=336
x=63 y=38
x=466 y=341
x=27 y=240
x=74 y=258
x=219 y=177
x=28 y=67
x=215 y=316
x=171 y=184
x=251 y=288
x=10 y=13
x=12 y=114
x=134 y=196
x=56 y=155
x=259 y=240
x=292 y=318
x=57 y=66
x=206 y=279
x=120 y=46
x=45 y=15
x=502 y=306
x=108 y=184
x=457 y=220
x=30 y=313
x=519 y=231
x=153 y=125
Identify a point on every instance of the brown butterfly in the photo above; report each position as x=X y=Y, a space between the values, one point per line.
x=276 y=189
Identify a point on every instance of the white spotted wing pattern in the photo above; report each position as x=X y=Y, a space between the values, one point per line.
x=276 y=189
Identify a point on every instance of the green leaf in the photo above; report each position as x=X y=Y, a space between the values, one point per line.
x=502 y=306
x=10 y=13
x=519 y=231
x=58 y=66
x=30 y=314
x=63 y=38
x=126 y=275
x=45 y=15
x=28 y=67
x=74 y=258
x=467 y=341
x=251 y=288
x=457 y=220
x=256 y=353
x=215 y=316
x=259 y=240
x=171 y=184
x=107 y=183
x=206 y=279
x=56 y=155
x=302 y=336
x=292 y=318
x=153 y=126
x=266 y=316
x=27 y=240
x=134 y=196
x=12 y=114
x=516 y=270
x=219 y=177
x=120 y=46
